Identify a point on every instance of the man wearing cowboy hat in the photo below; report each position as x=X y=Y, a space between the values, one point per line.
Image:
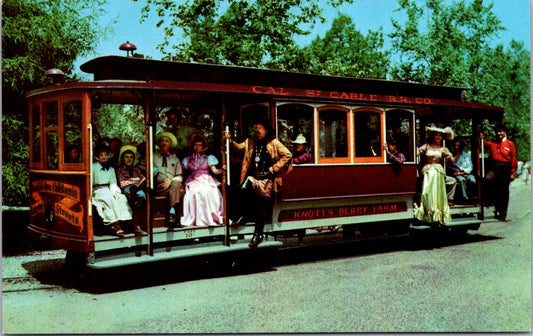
x=169 y=176
x=264 y=158
x=300 y=155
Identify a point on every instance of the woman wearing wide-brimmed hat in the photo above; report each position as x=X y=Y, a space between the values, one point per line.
x=434 y=205
x=202 y=203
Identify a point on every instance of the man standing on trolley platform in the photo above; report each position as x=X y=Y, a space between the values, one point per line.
x=502 y=171
x=264 y=157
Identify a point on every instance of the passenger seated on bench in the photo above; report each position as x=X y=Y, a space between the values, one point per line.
x=73 y=154
x=461 y=171
x=110 y=203
x=131 y=181
x=169 y=174
x=301 y=153
x=202 y=203
x=393 y=155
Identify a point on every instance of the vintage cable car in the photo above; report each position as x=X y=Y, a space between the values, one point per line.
x=348 y=184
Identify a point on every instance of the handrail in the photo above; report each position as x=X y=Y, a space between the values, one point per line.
x=150 y=173
x=89 y=202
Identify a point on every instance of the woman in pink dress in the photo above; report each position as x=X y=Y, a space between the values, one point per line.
x=202 y=203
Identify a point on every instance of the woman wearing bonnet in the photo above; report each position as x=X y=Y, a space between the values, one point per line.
x=202 y=204
x=434 y=205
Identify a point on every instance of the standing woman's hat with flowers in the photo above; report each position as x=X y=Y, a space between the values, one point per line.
x=447 y=132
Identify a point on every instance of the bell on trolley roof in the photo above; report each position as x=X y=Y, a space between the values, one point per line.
x=57 y=75
x=128 y=47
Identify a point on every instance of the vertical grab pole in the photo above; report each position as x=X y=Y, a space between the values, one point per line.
x=90 y=142
x=228 y=143
x=483 y=158
x=482 y=185
x=150 y=173
x=225 y=177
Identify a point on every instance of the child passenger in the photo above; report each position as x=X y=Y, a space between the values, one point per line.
x=131 y=181
x=110 y=203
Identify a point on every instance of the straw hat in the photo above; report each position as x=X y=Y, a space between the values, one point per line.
x=300 y=140
x=131 y=148
x=447 y=132
x=169 y=135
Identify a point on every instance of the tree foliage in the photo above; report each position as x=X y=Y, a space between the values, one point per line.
x=452 y=45
x=239 y=32
x=344 y=51
x=442 y=44
x=36 y=35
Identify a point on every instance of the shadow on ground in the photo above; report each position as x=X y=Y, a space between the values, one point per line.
x=55 y=273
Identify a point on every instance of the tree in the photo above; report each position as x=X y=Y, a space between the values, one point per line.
x=452 y=45
x=505 y=82
x=440 y=44
x=344 y=51
x=37 y=35
x=240 y=32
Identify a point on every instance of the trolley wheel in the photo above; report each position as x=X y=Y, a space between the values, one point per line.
x=75 y=260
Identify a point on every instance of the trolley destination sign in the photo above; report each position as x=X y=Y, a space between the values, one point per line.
x=341 y=211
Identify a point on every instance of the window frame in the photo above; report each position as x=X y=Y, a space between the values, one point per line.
x=349 y=136
x=412 y=132
x=369 y=159
x=85 y=116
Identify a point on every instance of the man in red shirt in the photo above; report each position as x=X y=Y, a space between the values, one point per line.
x=502 y=170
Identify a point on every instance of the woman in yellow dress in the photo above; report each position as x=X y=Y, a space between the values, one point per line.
x=434 y=205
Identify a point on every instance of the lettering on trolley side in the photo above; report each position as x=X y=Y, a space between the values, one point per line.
x=64 y=189
x=270 y=90
x=340 y=95
x=341 y=211
x=65 y=198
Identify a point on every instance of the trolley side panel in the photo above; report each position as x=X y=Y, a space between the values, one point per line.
x=315 y=182
x=58 y=210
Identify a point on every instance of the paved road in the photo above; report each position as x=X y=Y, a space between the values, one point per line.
x=478 y=283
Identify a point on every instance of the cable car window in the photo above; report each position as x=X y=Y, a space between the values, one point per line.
x=367 y=130
x=51 y=110
x=400 y=131
x=51 y=149
x=333 y=133
x=36 y=134
x=129 y=118
x=72 y=112
x=294 y=120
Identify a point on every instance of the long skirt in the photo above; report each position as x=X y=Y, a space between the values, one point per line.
x=434 y=200
x=111 y=208
x=202 y=203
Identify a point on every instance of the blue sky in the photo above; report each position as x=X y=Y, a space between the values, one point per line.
x=366 y=14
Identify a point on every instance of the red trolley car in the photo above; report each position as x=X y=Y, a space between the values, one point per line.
x=348 y=184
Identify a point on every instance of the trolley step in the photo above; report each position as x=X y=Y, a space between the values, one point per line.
x=460 y=221
x=456 y=221
x=179 y=252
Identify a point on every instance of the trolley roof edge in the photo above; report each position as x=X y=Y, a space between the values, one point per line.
x=118 y=72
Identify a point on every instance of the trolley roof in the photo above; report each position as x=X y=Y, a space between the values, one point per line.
x=131 y=68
